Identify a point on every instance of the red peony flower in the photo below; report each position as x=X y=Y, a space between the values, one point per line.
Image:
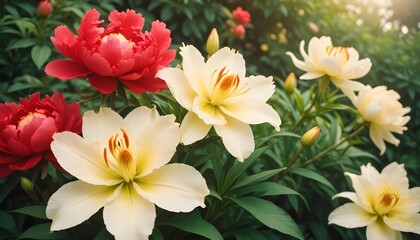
x=118 y=53
x=26 y=130
x=238 y=31
x=44 y=8
x=241 y=16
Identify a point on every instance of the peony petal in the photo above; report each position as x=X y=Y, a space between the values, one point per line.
x=379 y=230
x=42 y=137
x=66 y=69
x=410 y=223
x=193 y=129
x=358 y=69
x=350 y=215
x=157 y=144
x=82 y=159
x=99 y=127
x=178 y=85
x=348 y=85
x=140 y=118
x=105 y=85
x=26 y=163
x=253 y=112
x=97 y=63
x=75 y=202
x=237 y=138
x=129 y=216
x=183 y=183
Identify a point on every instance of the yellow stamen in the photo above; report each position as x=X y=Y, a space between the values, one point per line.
x=387 y=200
x=341 y=53
x=119 y=148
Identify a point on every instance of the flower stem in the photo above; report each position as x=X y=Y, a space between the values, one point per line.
x=351 y=135
x=323 y=84
x=289 y=163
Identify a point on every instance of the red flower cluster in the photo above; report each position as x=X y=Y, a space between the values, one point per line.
x=241 y=19
x=44 y=8
x=118 y=53
x=26 y=130
x=241 y=16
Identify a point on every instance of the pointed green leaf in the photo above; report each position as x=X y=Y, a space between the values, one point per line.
x=312 y=175
x=40 y=54
x=270 y=215
x=258 y=177
x=7 y=223
x=42 y=232
x=37 y=211
x=193 y=223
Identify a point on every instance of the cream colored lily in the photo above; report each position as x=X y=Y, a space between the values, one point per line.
x=341 y=64
x=122 y=166
x=384 y=113
x=217 y=93
x=382 y=201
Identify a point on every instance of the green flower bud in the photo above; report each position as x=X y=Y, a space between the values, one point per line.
x=212 y=42
x=309 y=138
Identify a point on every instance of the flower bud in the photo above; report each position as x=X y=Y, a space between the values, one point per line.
x=290 y=83
x=27 y=185
x=44 y=8
x=238 y=31
x=212 y=42
x=309 y=138
x=264 y=47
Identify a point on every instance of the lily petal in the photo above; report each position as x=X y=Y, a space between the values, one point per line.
x=207 y=112
x=77 y=197
x=410 y=203
x=156 y=148
x=99 y=127
x=140 y=118
x=261 y=87
x=253 y=112
x=178 y=85
x=183 y=183
x=350 y=215
x=81 y=159
x=404 y=223
x=193 y=129
x=365 y=190
x=129 y=217
x=225 y=57
x=379 y=230
x=237 y=138
x=192 y=64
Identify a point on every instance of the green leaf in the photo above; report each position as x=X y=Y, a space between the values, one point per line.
x=248 y=234
x=7 y=188
x=269 y=189
x=193 y=223
x=37 y=211
x=42 y=232
x=40 y=54
x=7 y=223
x=258 y=177
x=270 y=215
x=299 y=101
x=103 y=234
x=312 y=175
x=21 y=43
x=236 y=170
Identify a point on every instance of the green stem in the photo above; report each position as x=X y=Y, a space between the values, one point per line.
x=322 y=85
x=289 y=163
x=345 y=139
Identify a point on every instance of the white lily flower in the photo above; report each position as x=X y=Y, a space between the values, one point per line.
x=382 y=109
x=217 y=93
x=341 y=64
x=122 y=166
x=382 y=201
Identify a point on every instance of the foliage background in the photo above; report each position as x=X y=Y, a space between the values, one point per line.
x=277 y=26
